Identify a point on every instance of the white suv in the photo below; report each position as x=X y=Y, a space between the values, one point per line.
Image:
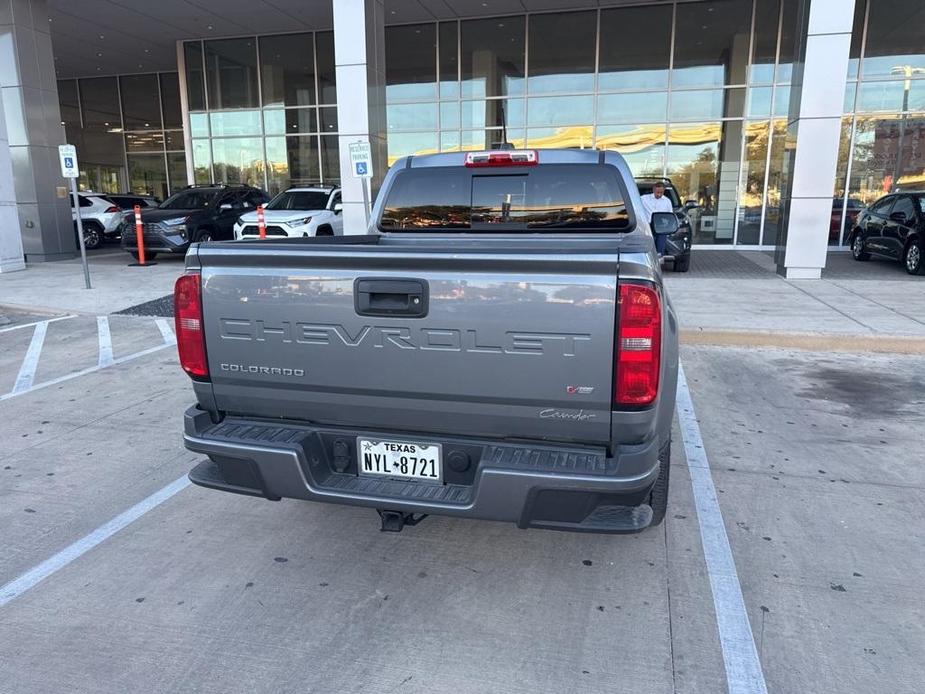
x=304 y=211
x=101 y=218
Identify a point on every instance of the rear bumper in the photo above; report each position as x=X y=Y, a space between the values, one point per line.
x=532 y=485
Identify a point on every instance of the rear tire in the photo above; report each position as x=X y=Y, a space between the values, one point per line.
x=682 y=264
x=658 y=497
x=912 y=259
x=857 y=248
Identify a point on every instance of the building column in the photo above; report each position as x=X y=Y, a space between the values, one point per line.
x=359 y=61
x=34 y=131
x=817 y=99
x=11 y=257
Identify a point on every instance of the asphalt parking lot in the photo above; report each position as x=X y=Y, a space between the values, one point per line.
x=815 y=458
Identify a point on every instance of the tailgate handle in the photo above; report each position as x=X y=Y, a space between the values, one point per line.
x=390 y=297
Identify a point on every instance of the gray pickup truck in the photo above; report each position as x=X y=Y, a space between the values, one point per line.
x=498 y=346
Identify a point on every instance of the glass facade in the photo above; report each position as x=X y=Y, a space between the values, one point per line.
x=128 y=132
x=262 y=110
x=883 y=130
x=700 y=96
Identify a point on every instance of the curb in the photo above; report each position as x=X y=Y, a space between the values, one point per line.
x=814 y=342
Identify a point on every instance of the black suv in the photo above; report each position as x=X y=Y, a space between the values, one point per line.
x=193 y=214
x=893 y=227
x=678 y=245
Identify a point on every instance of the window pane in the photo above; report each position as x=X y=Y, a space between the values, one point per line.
x=403 y=144
x=449 y=61
x=644 y=107
x=707 y=104
x=328 y=117
x=493 y=113
x=880 y=96
x=411 y=116
x=292 y=161
x=895 y=39
x=449 y=142
x=99 y=98
x=751 y=192
x=173 y=140
x=580 y=136
x=561 y=110
x=238 y=160
x=711 y=46
x=562 y=52
x=144 y=142
x=327 y=80
x=290 y=122
x=857 y=33
x=330 y=158
x=492 y=57
x=231 y=66
x=147 y=175
x=176 y=169
x=697 y=153
x=235 y=123
x=170 y=100
x=781 y=101
x=67 y=101
x=759 y=102
x=449 y=115
x=767 y=17
x=287 y=70
x=141 y=107
x=636 y=59
x=195 y=89
x=202 y=161
x=199 y=124
x=643 y=146
x=788 y=35
x=781 y=146
x=410 y=63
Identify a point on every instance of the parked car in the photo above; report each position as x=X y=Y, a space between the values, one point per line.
x=893 y=227
x=127 y=201
x=499 y=345
x=308 y=211
x=851 y=215
x=100 y=218
x=193 y=214
x=678 y=246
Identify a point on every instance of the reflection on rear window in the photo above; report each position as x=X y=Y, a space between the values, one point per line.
x=555 y=196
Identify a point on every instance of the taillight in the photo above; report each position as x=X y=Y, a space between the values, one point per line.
x=639 y=342
x=503 y=157
x=110 y=210
x=187 y=303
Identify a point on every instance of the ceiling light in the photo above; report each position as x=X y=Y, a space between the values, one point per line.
x=102 y=37
x=209 y=27
x=99 y=55
x=99 y=69
x=147 y=50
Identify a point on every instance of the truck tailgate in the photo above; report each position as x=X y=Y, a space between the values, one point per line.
x=501 y=343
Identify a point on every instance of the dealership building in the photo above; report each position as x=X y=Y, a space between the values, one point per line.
x=780 y=118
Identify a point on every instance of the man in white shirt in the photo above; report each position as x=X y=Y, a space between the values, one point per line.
x=657 y=202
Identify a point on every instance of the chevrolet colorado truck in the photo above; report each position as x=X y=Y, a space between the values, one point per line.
x=499 y=346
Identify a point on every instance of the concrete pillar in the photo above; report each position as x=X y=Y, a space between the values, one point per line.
x=34 y=130
x=359 y=61
x=817 y=99
x=11 y=257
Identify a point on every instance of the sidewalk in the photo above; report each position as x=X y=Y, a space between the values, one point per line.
x=726 y=293
x=739 y=291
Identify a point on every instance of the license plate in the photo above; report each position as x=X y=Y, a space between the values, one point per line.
x=402 y=459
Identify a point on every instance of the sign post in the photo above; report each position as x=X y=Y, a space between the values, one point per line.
x=361 y=166
x=67 y=154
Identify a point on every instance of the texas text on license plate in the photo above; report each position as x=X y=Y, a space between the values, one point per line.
x=419 y=461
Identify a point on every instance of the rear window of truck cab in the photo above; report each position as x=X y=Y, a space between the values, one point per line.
x=553 y=197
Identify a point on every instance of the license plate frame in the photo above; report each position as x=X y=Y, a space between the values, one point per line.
x=393 y=450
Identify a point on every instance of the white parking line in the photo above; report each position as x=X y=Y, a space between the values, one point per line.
x=166 y=331
x=31 y=361
x=36 y=574
x=102 y=328
x=83 y=372
x=35 y=322
x=743 y=668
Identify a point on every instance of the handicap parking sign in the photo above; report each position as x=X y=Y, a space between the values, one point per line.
x=362 y=158
x=361 y=168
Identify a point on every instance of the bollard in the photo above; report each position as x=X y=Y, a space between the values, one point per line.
x=140 y=240
x=261 y=222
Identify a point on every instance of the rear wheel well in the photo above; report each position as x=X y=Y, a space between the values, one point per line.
x=91 y=224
